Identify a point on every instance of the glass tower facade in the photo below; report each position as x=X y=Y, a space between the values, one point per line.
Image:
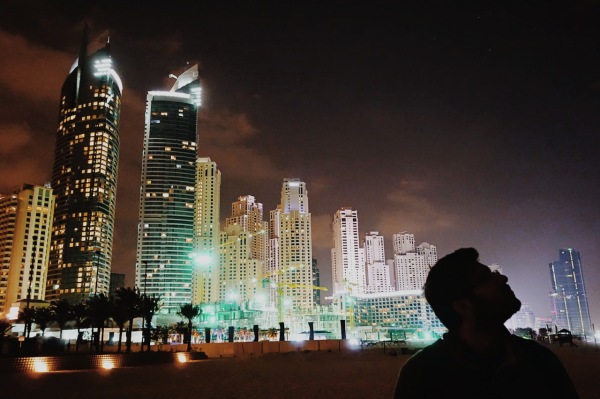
x=167 y=193
x=84 y=178
x=568 y=296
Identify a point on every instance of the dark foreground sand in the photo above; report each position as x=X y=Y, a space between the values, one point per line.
x=367 y=374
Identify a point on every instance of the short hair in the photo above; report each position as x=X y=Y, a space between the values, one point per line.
x=448 y=280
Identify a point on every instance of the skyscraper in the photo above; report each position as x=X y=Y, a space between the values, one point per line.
x=167 y=193
x=84 y=177
x=25 y=229
x=568 y=296
x=379 y=273
x=205 y=286
x=347 y=258
x=291 y=240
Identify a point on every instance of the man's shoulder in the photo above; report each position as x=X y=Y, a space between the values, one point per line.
x=428 y=353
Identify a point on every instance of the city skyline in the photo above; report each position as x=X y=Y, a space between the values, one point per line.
x=471 y=128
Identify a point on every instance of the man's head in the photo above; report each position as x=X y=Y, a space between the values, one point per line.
x=458 y=282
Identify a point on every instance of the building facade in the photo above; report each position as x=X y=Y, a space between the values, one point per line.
x=570 y=308
x=290 y=275
x=379 y=273
x=25 y=231
x=165 y=242
x=403 y=310
x=84 y=178
x=205 y=284
x=347 y=258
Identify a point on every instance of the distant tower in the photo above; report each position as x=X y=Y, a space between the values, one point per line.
x=347 y=259
x=205 y=284
x=429 y=252
x=379 y=276
x=403 y=242
x=167 y=193
x=248 y=214
x=291 y=245
x=25 y=229
x=569 y=299
x=84 y=177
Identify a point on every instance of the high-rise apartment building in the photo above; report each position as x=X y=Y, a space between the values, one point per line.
x=429 y=252
x=165 y=243
x=25 y=231
x=84 y=177
x=411 y=271
x=379 y=273
x=347 y=258
x=403 y=242
x=291 y=241
x=239 y=275
x=248 y=214
x=570 y=308
x=205 y=285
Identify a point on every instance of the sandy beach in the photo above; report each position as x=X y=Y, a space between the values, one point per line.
x=361 y=374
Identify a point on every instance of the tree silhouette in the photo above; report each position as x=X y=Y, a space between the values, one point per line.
x=42 y=316
x=149 y=305
x=80 y=316
x=26 y=316
x=129 y=300
x=189 y=312
x=63 y=313
x=99 y=310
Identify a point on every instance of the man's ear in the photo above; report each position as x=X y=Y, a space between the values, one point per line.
x=462 y=307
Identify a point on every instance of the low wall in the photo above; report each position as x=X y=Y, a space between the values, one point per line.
x=248 y=349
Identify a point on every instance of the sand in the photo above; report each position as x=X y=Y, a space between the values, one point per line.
x=367 y=374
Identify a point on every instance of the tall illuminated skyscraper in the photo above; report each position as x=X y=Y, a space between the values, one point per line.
x=25 y=229
x=248 y=214
x=570 y=308
x=205 y=286
x=84 y=177
x=291 y=241
x=347 y=258
x=167 y=194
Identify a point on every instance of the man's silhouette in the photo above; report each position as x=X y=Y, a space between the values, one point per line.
x=478 y=357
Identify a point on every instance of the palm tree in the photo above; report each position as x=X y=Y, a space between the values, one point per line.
x=63 y=313
x=99 y=308
x=120 y=317
x=5 y=327
x=189 y=312
x=80 y=316
x=181 y=329
x=26 y=316
x=149 y=305
x=129 y=300
x=42 y=316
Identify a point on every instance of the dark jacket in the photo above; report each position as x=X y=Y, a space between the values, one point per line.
x=449 y=369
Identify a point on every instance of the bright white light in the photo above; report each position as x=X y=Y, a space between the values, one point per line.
x=182 y=357
x=108 y=364
x=40 y=366
x=202 y=259
x=354 y=342
x=294 y=184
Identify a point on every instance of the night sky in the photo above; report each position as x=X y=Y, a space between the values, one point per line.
x=465 y=125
